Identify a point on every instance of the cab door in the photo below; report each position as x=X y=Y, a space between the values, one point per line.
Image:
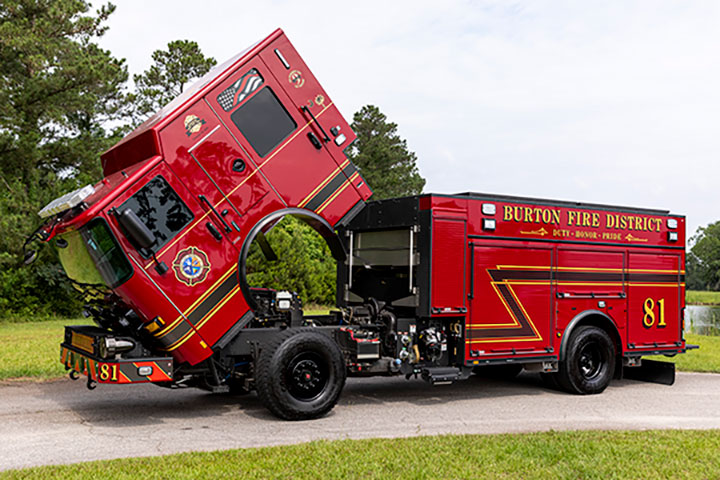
x=275 y=136
x=192 y=264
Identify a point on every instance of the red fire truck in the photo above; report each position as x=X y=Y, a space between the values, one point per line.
x=437 y=286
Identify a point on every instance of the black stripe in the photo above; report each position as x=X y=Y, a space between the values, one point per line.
x=325 y=193
x=574 y=242
x=349 y=169
x=525 y=329
x=175 y=334
x=565 y=276
x=211 y=301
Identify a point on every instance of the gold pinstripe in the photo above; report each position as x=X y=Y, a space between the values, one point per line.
x=337 y=192
x=322 y=184
x=259 y=167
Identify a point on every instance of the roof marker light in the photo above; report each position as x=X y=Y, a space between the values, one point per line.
x=67 y=201
x=488 y=209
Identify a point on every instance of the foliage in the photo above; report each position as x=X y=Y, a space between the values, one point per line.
x=383 y=157
x=57 y=90
x=583 y=454
x=703 y=262
x=174 y=68
x=304 y=263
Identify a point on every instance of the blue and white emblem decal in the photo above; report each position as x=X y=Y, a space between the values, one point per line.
x=191 y=266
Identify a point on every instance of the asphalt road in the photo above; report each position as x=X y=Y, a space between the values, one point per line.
x=63 y=422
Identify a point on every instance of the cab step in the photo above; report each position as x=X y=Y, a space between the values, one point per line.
x=441 y=375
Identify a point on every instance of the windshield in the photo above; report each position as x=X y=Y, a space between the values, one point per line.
x=107 y=263
x=76 y=260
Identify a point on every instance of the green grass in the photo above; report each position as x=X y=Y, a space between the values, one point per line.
x=696 y=297
x=32 y=349
x=706 y=359
x=586 y=455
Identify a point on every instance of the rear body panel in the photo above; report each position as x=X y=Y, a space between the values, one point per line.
x=516 y=272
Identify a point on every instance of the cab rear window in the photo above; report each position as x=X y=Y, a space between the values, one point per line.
x=263 y=121
x=160 y=209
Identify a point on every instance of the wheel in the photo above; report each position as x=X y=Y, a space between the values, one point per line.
x=589 y=362
x=499 y=372
x=300 y=375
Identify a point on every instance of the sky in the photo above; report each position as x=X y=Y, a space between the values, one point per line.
x=614 y=102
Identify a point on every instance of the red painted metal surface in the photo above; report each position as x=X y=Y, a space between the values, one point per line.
x=537 y=266
x=227 y=185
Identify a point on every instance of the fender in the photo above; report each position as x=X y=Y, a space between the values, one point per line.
x=319 y=224
x=601 y=319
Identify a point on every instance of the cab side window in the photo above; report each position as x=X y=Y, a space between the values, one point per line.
x=160 y=209
x=259 y=115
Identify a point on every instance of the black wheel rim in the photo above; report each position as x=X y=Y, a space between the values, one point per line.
x=591 y=360
x=306 y=376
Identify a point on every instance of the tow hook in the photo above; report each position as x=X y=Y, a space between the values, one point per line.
x=91 y=384
x=73 y=375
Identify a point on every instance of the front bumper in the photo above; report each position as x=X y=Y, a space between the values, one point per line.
x=79 y=354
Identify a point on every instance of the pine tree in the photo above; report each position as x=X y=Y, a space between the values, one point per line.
x=173 y=70
x=57 y=90
x=383 y=157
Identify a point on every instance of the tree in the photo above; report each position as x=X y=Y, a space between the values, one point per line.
x=383 y=157
x=173 y=70
x=57 y=90
x=305 y=264
x=703 y=267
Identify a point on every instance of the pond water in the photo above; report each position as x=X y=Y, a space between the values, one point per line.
x=702 y=319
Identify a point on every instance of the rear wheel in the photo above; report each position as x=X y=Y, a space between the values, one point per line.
x=300 y=375
x=589 y=362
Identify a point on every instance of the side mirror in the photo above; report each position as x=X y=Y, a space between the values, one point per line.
x=135 y=229
x=30 y=257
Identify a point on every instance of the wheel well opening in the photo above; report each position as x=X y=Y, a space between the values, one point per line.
x=595 y=320
x=257 y=236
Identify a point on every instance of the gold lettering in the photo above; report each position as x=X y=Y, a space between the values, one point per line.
x=585 y=219
x=609 y=220
x=572 y=216
x=518 y=213
x=528 y=214
x=556 y=217
x=508 y=212
x=595 y=220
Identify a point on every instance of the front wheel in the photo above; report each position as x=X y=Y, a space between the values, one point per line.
x=589 y=362
x=301 y=375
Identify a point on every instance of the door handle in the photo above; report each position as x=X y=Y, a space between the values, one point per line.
x=214 y=231
x=307 y=110
x=222 y=220
x=314 y=140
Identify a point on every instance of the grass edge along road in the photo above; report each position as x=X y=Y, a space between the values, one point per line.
x=697 y=297
x=31 y=351
x=579 y=454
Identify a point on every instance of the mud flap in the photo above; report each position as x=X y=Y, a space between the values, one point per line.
x=652 y=371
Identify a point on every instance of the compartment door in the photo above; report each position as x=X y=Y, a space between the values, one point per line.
x=511 y=300
x=654 y=300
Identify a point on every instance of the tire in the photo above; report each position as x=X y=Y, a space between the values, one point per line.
x=589 y=362
x=300 y=375
x=499 y=372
